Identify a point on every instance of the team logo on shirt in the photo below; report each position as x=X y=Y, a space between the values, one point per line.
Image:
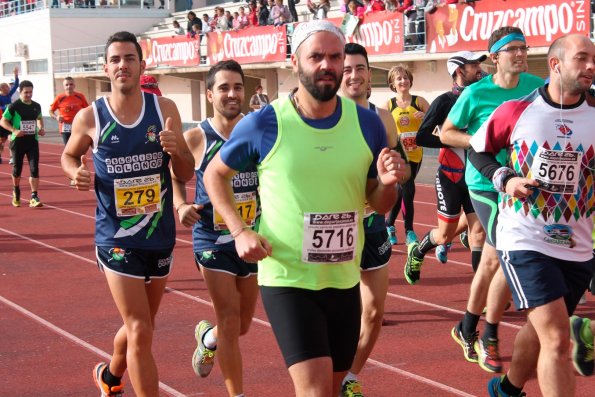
x=563 y=128
x=151 y=134
x=559 y=234
x=404 y=121
x=118 y=254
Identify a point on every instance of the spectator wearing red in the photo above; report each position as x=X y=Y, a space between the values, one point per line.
x=253 y=14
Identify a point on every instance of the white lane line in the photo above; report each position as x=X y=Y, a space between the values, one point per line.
x=65 y=334
x=418 y=378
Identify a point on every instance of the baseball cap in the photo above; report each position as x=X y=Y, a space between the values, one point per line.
x=149 y=84
x=307 y=29
x=463 y=58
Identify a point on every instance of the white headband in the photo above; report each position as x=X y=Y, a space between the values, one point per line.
x=307 y=29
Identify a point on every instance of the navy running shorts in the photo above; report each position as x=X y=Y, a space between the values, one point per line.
x=377 y=250
x=310 y=324
x=486 y=208
x=536 y=279
x=226 y=262
x=135 y=263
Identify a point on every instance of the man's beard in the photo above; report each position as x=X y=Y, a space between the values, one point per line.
x=325 y=93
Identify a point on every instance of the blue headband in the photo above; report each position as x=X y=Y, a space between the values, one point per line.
x=505 y=40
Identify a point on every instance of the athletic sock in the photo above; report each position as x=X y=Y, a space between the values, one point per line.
x=209 y=340
x=475 y=258
x=490 y=331
x=350 y=376
x=34 y=194
x=469 y=324
x=509 y=388
x=239 y=395
x=110 y=379
x=17 y=192
x=427 y=243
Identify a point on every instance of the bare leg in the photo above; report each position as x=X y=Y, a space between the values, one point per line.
x=315 y=378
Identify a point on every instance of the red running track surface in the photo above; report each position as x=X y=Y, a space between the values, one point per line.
x=58 y=318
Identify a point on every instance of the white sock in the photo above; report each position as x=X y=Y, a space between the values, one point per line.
x=350 y=376
x=209 y=339
x=240 y=395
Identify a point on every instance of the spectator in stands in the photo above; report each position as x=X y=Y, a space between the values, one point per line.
x=391 y=5
x=240 y=19
x=259 y=100
x=178 y=30
x=320 y=10
x=373 y=6
x=221 y=21
x=292 y=11
x=408 y=9
x=229 y=19
x=253 y=14
x=280 y=13
x=192 y=20
x=263 y=13
x=345 y=5
x=355 y=9
x=270 y=20
x=206 y=23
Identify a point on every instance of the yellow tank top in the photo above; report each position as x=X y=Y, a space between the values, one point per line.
x=407 y=127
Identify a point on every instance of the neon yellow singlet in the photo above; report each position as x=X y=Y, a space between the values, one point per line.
x=407 y=127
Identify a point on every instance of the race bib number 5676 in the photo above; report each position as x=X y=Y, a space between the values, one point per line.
x=330 y=237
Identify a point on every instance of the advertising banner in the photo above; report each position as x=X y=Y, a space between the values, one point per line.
x=457 y=27
x=178 y=51
x=253 y=45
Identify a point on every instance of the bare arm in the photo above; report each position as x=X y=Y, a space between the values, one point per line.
x=188 y=213
x=250 y=246
x=73 y=158
x=392 y=136
x=380 y=192
x=452 y=136
x=173 y=142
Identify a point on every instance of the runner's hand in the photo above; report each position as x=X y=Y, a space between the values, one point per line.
x=189 y=214
x=82 y=177
x=41 y=132
x=168 y=138
x=419 y=115
x=520 y=187
x=252 y=247
x=391 y=167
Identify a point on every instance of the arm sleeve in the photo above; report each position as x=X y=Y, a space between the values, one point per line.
x=435 y=117
x=375 y=136
x=485 y=163
x=251 y=139
x=14 y=87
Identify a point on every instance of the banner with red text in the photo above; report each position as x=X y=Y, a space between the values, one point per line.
x=176 y=51
x=457 y=27
x=252 y=45
x=380 y=32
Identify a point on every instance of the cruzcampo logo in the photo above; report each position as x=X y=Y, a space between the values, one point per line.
x=118 y=254
x=151 y=134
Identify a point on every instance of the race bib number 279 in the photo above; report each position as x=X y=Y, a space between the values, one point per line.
x=330 y=237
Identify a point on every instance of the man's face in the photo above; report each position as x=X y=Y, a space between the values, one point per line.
x=576 y=70
x=68 y=86
x=512 y=58
x=227 y=94
x=471 y=73
x=123 y=66
x=319 y=65
x=4 y=89
x=356 y=77
x=26 y=94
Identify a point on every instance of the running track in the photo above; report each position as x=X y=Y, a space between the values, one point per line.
x=58 y=319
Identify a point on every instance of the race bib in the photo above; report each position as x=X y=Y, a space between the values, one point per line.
x=246 y=205
x=28 y=127
x=66 y=128
x=557 y=171
x=408 y=140
x=140 y=195
x=329 y=238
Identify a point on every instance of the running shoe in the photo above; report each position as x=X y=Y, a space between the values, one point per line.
x=410 y=237
x=11 y=161
x=488 y=356
x=35 y=202
x=203 y=358
x=582 y=350
x=442 y=252
x=468 y=344
x=15 y=201
x=351 y=388
x=72 y=182
x=412 y=268
x=106 y=391
x=494 y=389
x=392 y=235
x=464 y=236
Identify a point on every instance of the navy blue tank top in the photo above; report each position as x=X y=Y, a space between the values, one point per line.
x=132 y=180
x=210 y=232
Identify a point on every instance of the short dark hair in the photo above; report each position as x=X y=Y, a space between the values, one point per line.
x=229 y=65
x=499 y=33
x=68 y=78
x=191 y=13
x=124 y=37
x=357 y=49
x=25 y=84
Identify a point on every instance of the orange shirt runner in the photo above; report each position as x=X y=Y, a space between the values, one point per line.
x=68 y=106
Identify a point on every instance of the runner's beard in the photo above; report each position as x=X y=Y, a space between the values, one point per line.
x=324 y=93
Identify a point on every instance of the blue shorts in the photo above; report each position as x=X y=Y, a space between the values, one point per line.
x=377 y=250
x=135 y=263
x=536 y=279
x=226 y=262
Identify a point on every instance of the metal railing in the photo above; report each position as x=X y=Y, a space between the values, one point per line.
x=15 y=7
x=79 y=60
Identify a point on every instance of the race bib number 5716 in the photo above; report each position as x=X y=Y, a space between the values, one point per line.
x=330 y=237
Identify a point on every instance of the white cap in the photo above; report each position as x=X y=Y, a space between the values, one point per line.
x=463 y=58
x=307 y=29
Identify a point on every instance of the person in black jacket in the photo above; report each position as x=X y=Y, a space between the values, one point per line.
x=451 y=189
x=193 y=20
